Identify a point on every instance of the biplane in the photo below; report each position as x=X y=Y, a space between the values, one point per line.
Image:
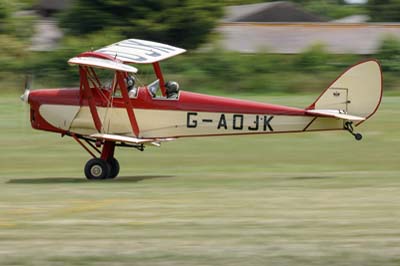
x=124 y=113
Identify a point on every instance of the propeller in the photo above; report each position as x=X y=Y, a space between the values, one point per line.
x=28 y=82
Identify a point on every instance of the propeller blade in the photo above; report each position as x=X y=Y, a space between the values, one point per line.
x=28 y=83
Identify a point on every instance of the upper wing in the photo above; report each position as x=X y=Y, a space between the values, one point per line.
x=152 y=141
x=101 y=63
x=334 y=113
x=140 y=51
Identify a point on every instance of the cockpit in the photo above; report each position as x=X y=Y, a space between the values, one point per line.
x=133 y=83
x=171 y=89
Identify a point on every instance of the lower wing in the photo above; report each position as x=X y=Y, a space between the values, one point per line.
x=127 y=139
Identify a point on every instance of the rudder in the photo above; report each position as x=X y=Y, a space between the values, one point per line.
x=357 y=91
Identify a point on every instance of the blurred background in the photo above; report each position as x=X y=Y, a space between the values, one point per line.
x=312 y=199
x=245 y=46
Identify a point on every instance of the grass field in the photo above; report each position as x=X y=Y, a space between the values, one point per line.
x=295 y=199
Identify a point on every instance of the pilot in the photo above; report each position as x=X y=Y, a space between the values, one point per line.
x=130 y=84
x=172 y=89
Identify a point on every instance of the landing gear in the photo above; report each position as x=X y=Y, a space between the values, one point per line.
x=349 y=127
x=105 y=167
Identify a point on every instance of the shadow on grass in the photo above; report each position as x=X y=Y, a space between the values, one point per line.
x=64 y=180
x=311 y=177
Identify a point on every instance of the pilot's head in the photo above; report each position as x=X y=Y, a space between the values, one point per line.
x=172 y=87
x=130 y=82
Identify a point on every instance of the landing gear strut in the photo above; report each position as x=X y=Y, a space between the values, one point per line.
x=349 y=127
x=104 y=165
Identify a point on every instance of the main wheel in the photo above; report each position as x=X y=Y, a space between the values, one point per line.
x=97 y=169
x=114 y=168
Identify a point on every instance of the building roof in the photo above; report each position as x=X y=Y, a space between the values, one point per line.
x=281 y=11
x=292 y=38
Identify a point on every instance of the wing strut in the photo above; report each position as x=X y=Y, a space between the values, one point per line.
x=157 y=70
x=128 y=104
x=88 y=94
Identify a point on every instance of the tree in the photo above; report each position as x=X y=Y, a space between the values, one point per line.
x=184 y=23
x=5 y=14
x=389 y=53
x=384 y=10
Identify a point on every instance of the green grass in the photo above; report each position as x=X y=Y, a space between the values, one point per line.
x=286 y=199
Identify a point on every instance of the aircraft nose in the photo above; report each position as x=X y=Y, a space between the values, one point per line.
x=24 y=97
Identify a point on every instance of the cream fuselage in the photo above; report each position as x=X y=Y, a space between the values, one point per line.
x=191 y=114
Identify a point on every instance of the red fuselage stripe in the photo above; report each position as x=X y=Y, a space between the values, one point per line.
x=188 y=101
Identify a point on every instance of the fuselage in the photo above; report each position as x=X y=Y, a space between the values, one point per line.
x=191 y=114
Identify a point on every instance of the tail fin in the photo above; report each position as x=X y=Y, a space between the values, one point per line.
x=357 y=92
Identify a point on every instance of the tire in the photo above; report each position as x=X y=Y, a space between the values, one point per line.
x=114 y=168
x=96 y=169
x=358 y=136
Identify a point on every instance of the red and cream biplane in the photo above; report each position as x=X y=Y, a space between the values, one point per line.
x=102 y=115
